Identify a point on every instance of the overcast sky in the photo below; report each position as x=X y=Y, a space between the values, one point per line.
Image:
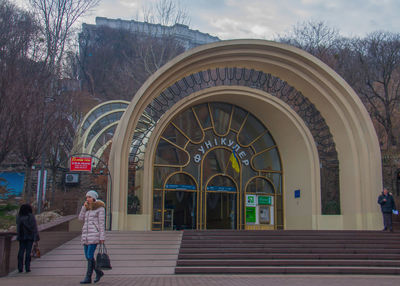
x=265 y=19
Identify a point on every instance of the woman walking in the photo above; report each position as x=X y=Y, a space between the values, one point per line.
x=93 y=215
x=27 y=234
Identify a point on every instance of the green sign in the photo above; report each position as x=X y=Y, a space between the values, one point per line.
x=250 y=215
x=251 y=201
x=264 y=200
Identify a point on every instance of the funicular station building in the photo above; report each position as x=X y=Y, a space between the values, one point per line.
x=245 y=134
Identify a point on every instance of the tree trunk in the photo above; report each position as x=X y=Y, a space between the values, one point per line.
x=28 y=185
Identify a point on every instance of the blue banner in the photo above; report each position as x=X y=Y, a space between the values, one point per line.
x=221 y=188
x=180 y=187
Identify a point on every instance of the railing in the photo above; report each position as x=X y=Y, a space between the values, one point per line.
x=5 y=247
x=52 y=235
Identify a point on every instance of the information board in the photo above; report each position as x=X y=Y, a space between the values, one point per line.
x=264 y=200
x=81 y=164
x=250 y=215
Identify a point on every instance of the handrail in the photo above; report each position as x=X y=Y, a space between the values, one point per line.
x=48 y=225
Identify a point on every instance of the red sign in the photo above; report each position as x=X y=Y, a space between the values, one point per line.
x=81 y=164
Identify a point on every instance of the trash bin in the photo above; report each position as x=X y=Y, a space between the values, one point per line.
x=5 y=248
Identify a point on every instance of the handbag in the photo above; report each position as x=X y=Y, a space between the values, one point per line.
x=102 y=258
x=35 y=250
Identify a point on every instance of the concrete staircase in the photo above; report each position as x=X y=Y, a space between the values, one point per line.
x=289 y=252
x=131 y=253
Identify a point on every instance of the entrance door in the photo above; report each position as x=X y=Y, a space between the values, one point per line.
x=180 y=210
x=221 y=210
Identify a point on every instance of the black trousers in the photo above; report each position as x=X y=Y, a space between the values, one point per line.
x=25 y=249
x=387 y=221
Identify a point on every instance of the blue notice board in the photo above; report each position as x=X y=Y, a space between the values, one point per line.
x=180 y=187
x=221 y=188
x=297 y=194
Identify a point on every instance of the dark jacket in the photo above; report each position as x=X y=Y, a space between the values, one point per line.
x=27 y=228
x=387 y=206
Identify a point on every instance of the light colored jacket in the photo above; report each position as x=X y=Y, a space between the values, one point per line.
x=93 y=229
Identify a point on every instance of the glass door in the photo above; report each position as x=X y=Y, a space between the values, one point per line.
x=180 y=210
x=221 y=210
x=221 y=207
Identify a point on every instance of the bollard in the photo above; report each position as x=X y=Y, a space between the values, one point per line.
x=5 y=248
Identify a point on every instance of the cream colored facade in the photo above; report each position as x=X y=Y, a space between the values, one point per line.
x=352 y=129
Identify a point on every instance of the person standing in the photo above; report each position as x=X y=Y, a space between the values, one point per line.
x=93 y=232
x=387 y=206
x=27 y=235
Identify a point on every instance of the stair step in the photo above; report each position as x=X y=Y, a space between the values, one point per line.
x=289 y=252
x=291 y=262
x=286 y=250
x=289 y=256
x=288 y=270
x=186 y=245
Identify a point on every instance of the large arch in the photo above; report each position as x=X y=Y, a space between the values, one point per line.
x=354 y=135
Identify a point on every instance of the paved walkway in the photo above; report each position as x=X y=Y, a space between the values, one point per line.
x=131 y=253
x=206 y=280
x=140 y=258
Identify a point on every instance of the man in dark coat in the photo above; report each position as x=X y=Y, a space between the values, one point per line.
x=387 y=206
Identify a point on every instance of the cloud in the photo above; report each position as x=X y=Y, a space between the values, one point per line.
x=266 y=19
x=230 y=19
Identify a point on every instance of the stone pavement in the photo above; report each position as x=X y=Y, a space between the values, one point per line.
x=24 y=279
x=149 y=259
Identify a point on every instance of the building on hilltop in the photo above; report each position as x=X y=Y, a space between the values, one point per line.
x=117 y=56
x=188 y=38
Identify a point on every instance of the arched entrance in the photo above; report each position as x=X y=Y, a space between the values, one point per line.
x=190 y=79
x=217 y=166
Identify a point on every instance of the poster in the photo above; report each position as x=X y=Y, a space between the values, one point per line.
x=265 y=215
x=12 y=184
x=250 y=215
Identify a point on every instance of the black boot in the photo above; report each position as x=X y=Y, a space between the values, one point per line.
x=99 y=273
x=89 y=272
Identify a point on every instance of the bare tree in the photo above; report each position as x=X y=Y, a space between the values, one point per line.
x=378 y=57
x=315 y=37
x=115 y=62
x=60 y=144
x=35 y=116
x=57 y=18
x=17 y=32
x=166 y=13
x=41 y=106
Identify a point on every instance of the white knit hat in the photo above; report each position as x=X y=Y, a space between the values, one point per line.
x=92 y=194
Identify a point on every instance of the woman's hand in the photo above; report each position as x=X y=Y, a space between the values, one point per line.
x=101 y=241
x=86 y=204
